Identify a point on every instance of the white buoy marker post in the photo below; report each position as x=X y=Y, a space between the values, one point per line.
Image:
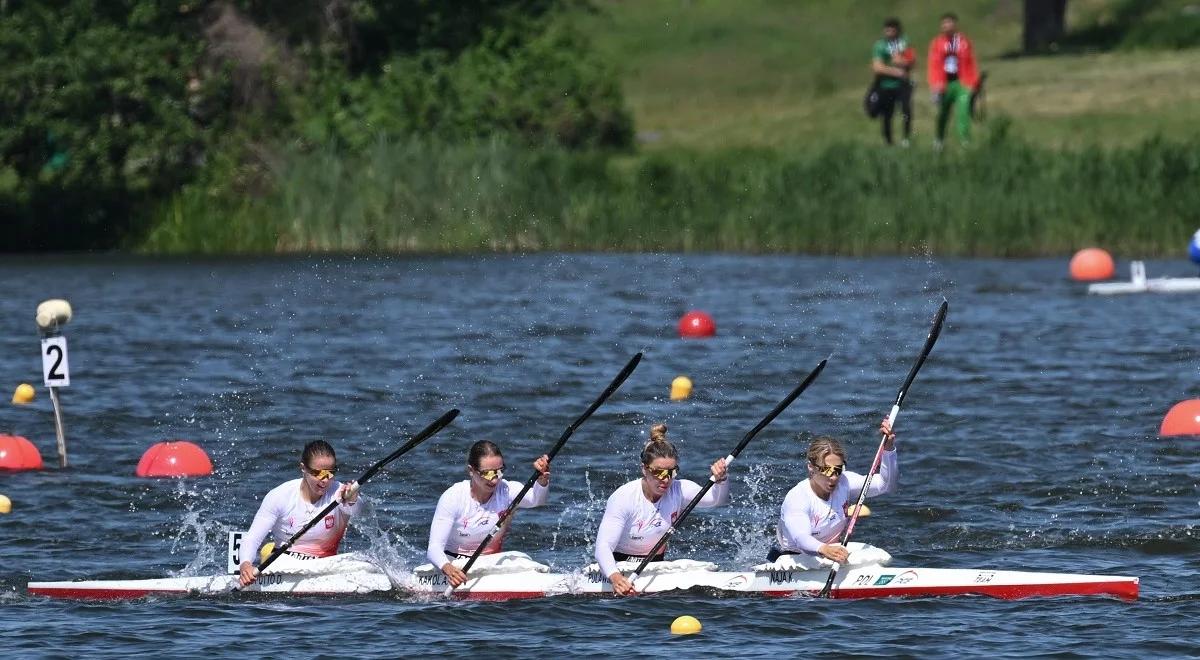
x=52 y=315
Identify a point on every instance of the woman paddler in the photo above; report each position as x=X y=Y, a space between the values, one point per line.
x=639 y=513
x=290 y=506
x=815 y=511
x=469 y=509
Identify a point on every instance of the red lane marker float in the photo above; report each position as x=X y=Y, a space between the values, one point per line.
x=18 y=454
x=174 y=458
x=696 y=325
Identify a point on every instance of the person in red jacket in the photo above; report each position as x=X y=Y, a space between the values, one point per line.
x=953 y=77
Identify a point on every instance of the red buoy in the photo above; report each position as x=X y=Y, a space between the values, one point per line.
x=17 y=453
x=1091 y=264
x=174 y=458
x=696 y=324
x=1182 y=419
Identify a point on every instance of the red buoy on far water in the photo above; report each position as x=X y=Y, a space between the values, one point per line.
x=1091 y=264
x=1182 y=419
x=17 y=453
x=174 y=458
x=696 y=324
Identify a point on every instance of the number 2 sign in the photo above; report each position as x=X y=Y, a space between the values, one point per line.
x=54 y=362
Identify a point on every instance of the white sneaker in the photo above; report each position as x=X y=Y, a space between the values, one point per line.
x=904 y=143
x=937 y=145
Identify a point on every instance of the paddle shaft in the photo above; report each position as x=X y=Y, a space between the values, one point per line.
x=562 y=440
x=787 y=401
x=934 y=331
x=417 y=439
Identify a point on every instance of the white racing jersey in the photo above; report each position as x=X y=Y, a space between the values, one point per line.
x=632 y=524
x=806 y=522
x=284 y=511
x=460 y=522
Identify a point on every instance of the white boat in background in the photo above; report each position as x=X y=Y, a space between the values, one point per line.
x=513 y=575
x=1140 y=284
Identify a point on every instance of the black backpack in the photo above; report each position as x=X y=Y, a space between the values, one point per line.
x=871 y=102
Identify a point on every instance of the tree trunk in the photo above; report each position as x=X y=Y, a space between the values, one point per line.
x=1045 y=23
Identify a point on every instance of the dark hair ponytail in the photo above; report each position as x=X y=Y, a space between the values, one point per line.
x=481 y=449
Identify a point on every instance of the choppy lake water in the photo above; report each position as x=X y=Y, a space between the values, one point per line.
x=1028 y=442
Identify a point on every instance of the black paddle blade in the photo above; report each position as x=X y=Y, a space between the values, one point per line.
x=934 y=331
x=787 y=401
x=608 y=391
x=425 y=433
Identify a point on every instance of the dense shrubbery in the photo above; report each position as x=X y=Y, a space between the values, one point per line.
x=96 y=117
x=111 y=105
x=538 y=83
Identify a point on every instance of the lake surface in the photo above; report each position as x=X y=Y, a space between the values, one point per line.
x=1029 y=441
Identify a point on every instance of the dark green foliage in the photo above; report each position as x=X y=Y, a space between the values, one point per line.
x=1140 y=24
x=96 y=117
x=537 y=82
x=111 y=105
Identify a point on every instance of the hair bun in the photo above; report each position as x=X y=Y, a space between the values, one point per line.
x=658 y=446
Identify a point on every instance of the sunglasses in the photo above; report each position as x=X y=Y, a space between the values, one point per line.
x=830 y=470
x=321 y=475
x=663 y=473
x=489 y=475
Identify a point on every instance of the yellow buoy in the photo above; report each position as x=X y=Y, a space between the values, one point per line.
x=866 y=510
x=5 y=505
x=685 y=625
x=681 y=388
x=266 y=552
x=24 y=394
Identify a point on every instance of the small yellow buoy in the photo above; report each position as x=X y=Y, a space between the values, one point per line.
x=685 y=625
x=5 y=505
x=24 y=394
x=866 y=510
x=266 y=552
x=681 y=388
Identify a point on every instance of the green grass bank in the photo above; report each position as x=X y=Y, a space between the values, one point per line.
x=707 y=74
x=752 y=139
x=1001 y=198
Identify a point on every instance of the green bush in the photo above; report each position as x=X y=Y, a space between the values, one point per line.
x=111 y=108
x=536 y=80
x=96 y=117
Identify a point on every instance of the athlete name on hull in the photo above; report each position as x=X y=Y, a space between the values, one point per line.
x=439 y=580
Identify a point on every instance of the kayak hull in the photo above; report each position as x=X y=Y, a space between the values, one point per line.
x=858 y=583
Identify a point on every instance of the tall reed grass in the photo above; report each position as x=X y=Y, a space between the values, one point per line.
x=1003 y=198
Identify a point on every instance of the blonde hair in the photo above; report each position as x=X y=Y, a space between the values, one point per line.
x=823 y=446
x=658 y=446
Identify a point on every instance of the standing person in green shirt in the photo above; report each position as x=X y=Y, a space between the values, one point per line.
x=953 y=77
x=892 y=59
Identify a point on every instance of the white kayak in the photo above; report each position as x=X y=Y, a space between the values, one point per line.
x=348 y=573
x=1139 y=283
x=512 y=575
